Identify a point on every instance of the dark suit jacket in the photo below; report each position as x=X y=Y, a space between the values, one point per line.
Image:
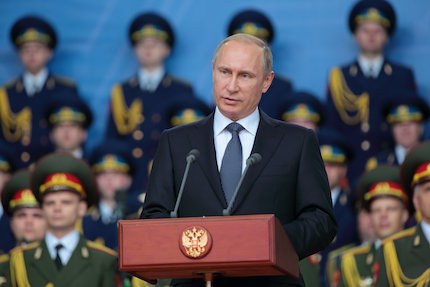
x=289 y=182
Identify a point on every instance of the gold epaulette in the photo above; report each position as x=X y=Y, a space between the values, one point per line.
x=402 y=234
x=64 y=80
x=99 y=247
x=26 y=247
x=4 y=258
x=357 y=250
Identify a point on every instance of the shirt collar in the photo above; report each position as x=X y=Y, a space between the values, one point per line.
x=426 y=230
x=366 y=64
x=150 y=78
x=335 y=194
x=69 y=242
x=400 y=153
x=250 y=123
x=377 y=243
x=106 y=212
x=39 y=79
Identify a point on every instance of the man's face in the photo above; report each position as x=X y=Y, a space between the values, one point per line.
x=371 y=37
x=422 y=200
x=238 y=79
x=62 y=209
x=151 y=52
x=407 y=134
x=109 y=182
x=388 y=216
x=68 y=136
x=335 y=173
x=28 y=224
x=34 y=56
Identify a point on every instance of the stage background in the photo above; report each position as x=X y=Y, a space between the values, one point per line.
x=311 y=37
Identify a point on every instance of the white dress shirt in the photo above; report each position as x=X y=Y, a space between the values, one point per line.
x=69 y=242
x=150 y=80
x=400 y=153
x=247 y=135
x=34 y=83
x=426 y=230
x=370 y=68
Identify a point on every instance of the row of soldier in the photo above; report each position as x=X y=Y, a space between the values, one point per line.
x=366 y=101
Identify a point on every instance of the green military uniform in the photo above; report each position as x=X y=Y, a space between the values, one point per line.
x=4 y=270
x=310 y=269
x=358 y=266
x=91 y=264
x=333 y=265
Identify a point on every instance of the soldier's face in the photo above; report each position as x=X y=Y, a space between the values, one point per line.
x=388 y=216
x=335 y=173
x=407 y=134
x=28 y=224
x=238 y=79
x=151 y=52
x=62 y=209
x=68 y=136
x=34 y=56
x=111 y=181
x=371 y=37
x=422 y=200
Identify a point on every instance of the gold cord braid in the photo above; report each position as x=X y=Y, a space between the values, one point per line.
x=126 y=119
x=395 y=275
x=346 y=101
x=18 y=272
x=349 y=270
x=15 y=126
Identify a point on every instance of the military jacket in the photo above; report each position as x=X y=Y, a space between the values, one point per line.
x=354 y=105
x=22 y=118
x=7 y=241
x=405 y=260
x=310 y=269
x=95 y=229
x=91 y=264
x=138 y=117
x=4 y=270
x=276 y=97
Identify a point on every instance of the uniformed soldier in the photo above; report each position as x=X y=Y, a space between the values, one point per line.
x=387 y=201
x=406 y=114
x=27 y=221
x=336 y=153
x=23 y=100
x=406 y=255
x=7 y=167
x=303 y=109
x=64 y=186
x=144 y=105
x=356 y=91
x=257 y=24
x=68 y=122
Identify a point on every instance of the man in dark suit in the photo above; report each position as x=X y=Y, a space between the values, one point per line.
x=290 y=181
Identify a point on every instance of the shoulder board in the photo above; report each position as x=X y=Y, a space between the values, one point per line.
x=4 y=258
x=64 y=80
x=358 y=250
x=11 y=83
x=179 y=81
x=340 y=250
x=402 y=234
x=101 y=248
x=27 y=247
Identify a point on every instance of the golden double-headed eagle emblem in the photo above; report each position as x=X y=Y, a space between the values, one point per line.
x=195 y=242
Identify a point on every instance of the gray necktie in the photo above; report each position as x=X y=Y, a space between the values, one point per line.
x=231 y=166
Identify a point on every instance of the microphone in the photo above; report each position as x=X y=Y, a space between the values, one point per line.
x=252 y=159
x=192 y=156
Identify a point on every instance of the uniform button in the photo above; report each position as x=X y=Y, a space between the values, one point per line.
x=25 y=156
x=365 y=127
x=365 y=145
x=138 y=135
x=137 y=152
x=156 y=118
x=25 y=140
x=141 y=119
x=155 y=135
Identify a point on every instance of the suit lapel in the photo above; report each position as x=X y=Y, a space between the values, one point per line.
x=266 y=141
x=202 y=138
x=78 y=262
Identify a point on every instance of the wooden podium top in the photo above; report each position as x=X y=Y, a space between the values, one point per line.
x=245 y=245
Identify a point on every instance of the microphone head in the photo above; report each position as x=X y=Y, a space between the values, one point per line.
x=193 y=155
x=253 y=159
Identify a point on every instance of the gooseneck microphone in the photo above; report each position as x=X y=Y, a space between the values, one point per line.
x=252 y=159
x=192 y=156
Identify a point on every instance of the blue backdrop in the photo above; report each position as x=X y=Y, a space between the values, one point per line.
x=311 y=36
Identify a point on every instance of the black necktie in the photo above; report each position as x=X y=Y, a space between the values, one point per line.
x=57 y=260
x=231 y=166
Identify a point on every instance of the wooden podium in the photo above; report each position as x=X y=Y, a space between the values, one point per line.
x=245 y=245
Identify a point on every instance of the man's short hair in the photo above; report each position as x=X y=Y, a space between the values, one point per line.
x=249 y=39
